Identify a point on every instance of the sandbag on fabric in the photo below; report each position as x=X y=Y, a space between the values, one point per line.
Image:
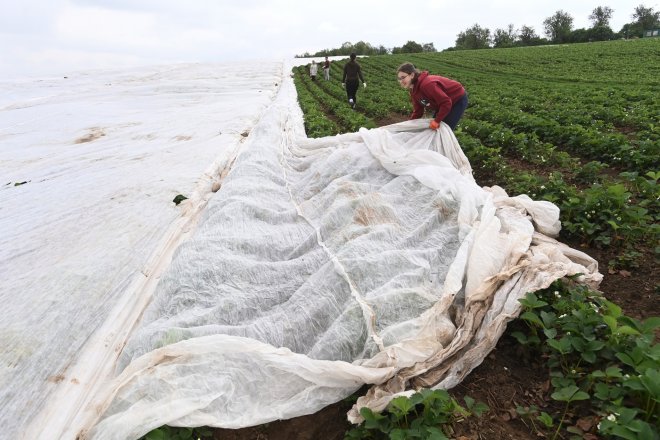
x=322 y=265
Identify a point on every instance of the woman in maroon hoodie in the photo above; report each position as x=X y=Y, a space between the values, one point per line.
x=444 y=97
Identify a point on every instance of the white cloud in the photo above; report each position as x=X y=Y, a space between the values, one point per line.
x=84 y=33
x=99 y=27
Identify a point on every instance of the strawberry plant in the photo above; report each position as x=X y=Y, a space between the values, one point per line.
x=426 y=414
x=597 y=354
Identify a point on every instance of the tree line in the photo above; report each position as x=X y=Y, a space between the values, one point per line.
x=362 y=48
x=558 y=29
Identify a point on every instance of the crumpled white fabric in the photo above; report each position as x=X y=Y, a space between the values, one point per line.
x=325 y=264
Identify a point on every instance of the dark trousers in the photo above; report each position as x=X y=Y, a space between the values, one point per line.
x=456 y=112
x=351 y=89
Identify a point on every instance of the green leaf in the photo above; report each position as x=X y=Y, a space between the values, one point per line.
x=613 y=224
x=156 y=434
x=589 y=356
x=550 y=333
x=595 y=345
x=624 y=432
x=532 y=302
x=613 y=372
x=646 y=431
x=400 y=406
x=634 y=383
x=417 y=398
x=611 y=322
x=532 y=317
x=185 y=433
x=627 y=330
x=569 y=394
x=654 y=353
x=626 y=359
x=520 y=337
x=548 y=318
x=580 y=395
x=435 y=434
x=650 y=324
x=634 y=357
x=546 y=419
x=651 y=381
x=602 y=391
x=480 y=408
x=613 y=310
x=374 y=420
x=577 y=343
x=563 y=345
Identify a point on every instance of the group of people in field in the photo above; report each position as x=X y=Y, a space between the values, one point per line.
x=444 y=98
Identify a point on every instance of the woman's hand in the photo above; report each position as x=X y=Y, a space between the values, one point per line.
x=434 y=125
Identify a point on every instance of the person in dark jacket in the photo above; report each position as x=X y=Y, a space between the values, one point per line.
x=445 y=98
x=351 y=79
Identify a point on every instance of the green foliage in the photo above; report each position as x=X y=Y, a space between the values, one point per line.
x=171 y=433
x=424 y=415
x=360 y=48
x=474 y=37
x=414 y=47
x=558 y=27
x=606 y=215
x=646 y=18
x=597 y=354
x=533 y=414
x=590 y=172
x=601 y=16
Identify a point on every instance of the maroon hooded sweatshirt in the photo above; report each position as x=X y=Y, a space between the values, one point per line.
x=436 y=93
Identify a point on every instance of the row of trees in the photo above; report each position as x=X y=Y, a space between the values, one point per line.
x=362 y=48
x=559 y=30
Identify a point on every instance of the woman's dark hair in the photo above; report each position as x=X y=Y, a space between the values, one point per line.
x=407 y=68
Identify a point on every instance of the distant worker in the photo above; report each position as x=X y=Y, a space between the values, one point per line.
x=326 y=69
x=444 y=98
x=351 y=79
x=313 y=70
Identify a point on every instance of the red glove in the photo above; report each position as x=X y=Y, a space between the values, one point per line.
x=434 y=125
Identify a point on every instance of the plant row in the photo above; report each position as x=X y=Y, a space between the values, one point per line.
x=604 y=370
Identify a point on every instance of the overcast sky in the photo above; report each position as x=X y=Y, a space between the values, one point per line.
x=42 y=37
